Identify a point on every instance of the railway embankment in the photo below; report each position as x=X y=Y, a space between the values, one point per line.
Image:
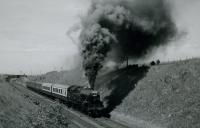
x=21 y=108
x=160 y=96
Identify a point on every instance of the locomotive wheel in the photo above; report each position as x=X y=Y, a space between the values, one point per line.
x=84 y=108
x=89 y=113
x=69 y=104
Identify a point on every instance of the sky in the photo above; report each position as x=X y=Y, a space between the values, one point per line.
x=33 y=34
x=187 y=44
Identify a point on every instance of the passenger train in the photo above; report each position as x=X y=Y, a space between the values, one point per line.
x=81 y=98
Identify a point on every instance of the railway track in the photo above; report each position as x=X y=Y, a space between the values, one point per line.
x=78 y=119
x=98 y=122
x=108 y=123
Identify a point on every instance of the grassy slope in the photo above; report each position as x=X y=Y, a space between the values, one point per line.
x=165 y=95
x=21 y=108
x=74 y=76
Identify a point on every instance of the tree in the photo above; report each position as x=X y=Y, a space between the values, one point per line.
x=153 y=63
x=158 y=62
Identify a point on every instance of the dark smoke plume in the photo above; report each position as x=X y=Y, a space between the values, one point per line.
x=135 y=26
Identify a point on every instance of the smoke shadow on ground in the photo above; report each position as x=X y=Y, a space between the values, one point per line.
x=123 y=85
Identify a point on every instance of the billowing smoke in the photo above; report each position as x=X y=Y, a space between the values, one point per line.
x=134 y=26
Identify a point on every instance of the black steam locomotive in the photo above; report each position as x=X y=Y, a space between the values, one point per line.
x=81 y=98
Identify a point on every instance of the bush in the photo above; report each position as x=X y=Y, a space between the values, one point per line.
x=153 y=63
x=158 y=62
x=49 y=117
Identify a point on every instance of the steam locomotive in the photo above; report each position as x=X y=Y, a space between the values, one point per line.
x=81 y=98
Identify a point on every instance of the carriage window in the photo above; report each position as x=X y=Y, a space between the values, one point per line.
x=58 y=90
x=55 y=90
x=46 y=88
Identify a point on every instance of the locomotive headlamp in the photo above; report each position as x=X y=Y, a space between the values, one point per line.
x=94 y=93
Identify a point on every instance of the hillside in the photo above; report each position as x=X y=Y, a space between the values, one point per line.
x=74 y=76
x=21 y=108
x=166 y=95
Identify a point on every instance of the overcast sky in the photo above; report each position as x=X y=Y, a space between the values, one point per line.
x=33 y=34
x=187 y=18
